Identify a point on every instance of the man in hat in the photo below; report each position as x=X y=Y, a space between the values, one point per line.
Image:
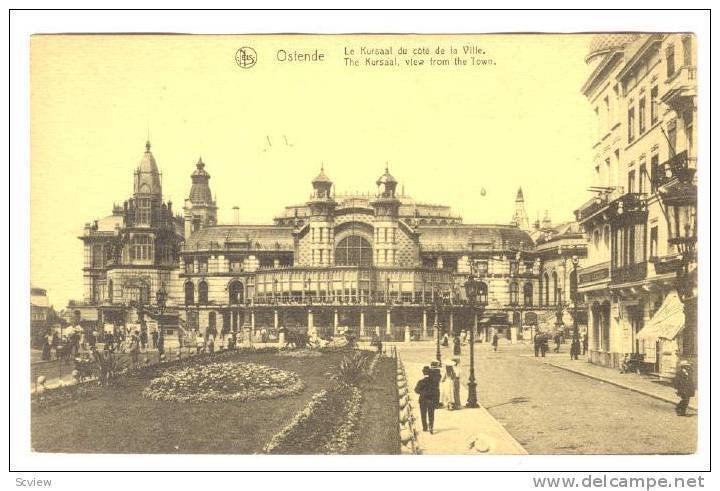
x=436 y=377
x=685 y=386
x=426 y=391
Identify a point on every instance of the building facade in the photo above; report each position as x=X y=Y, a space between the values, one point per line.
x=643 y=91
x=378 y=262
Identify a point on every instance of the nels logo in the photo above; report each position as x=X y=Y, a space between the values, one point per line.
x=246 y=57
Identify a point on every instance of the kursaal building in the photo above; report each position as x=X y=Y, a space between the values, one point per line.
x=370 y=263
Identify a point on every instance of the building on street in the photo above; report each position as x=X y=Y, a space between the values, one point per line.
x=643 y=91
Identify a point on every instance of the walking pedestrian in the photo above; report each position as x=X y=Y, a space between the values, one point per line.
x=47 y=345
x=446 y=390
x=456 y=345
x=154 y=337
x=575 y=348
x=211 y=344
x=199 y=343
x=456 y=383
x=445 y=339
x=536 y=344
x=143 y=338
x=544 y=345
x=685 y=387
x=436 y=378
x=557 y=342
x=134 y=347
x=425 y=390
x=585 y=344
x=495 y=340
x=160 y=344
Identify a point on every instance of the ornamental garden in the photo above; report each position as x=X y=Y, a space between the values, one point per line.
x=244 y=401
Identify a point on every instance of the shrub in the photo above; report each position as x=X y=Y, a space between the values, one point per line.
x=353 y=371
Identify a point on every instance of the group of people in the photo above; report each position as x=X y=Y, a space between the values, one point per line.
x=541 y=343
x=439 y=388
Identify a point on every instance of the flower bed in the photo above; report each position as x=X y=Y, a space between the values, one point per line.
x=223 y=381
x=299 y=353
x=325 y=426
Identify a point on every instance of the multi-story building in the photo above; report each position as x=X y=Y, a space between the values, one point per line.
x=642 y=89
x=374 y=262
x=130 y=254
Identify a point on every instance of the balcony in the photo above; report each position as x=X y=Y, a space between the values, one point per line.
x=628 y=273
x=594 y=273
x=679 y=168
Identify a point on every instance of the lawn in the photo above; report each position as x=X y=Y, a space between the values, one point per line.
x=379 y=414
x=120 y=420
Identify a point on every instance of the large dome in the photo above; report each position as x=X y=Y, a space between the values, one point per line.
x=602 y=44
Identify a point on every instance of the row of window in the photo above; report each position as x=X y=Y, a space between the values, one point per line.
x=642 y=114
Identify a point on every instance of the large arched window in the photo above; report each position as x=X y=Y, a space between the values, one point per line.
x=353 y=251
x=235 y=293
x=528 y=294
x=546 y=284
x=189 y=293
x=556 y=291
x=203 y=293
x=513 y=293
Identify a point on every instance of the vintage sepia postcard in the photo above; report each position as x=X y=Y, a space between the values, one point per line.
x=365 y=244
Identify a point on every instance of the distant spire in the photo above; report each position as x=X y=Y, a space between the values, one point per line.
x=147 y=144
x=519 y=196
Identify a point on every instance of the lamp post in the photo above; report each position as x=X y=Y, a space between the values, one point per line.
x=471 y=291
x=574 y=295
x=436 y=302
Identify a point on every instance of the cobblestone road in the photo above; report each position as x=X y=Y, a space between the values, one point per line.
x=552 y=411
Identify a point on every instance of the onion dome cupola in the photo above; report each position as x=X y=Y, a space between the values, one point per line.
x=386 y=203
x=386 y=184
x=321 y=202
x=147 y=176
x=200 y=189
x=321 y=185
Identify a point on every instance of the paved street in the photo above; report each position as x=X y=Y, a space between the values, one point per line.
x=551 y=410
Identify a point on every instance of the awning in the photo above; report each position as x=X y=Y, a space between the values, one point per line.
x=667 y=322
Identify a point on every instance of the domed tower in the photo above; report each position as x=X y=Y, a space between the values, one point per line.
x=520 y=218
x=147 y=177
x=322 y=221
x=386 y=206
x=147 y=192
x=200 y=209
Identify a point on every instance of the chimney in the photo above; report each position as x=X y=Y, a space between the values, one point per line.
x=236 y=215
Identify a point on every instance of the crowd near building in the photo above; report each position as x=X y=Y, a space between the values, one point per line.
x=639 y=281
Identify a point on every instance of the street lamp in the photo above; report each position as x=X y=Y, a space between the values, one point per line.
x=573 y=293
x=436 y=301
x=471 y=291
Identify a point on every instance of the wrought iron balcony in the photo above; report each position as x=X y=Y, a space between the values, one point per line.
x=628 y=273
x=676 y=168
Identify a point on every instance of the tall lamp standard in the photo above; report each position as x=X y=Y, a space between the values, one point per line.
x=471 y=291
x=436 y=301
x=574 y=295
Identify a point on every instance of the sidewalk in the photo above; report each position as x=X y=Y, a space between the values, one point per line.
x=643 y=384
x=455 y=430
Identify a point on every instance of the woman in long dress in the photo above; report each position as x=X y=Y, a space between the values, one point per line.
x=447 y=397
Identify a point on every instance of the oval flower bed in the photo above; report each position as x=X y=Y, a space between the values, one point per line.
x=228 y=381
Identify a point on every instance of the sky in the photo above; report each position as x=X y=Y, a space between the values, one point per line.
x=446 y=132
